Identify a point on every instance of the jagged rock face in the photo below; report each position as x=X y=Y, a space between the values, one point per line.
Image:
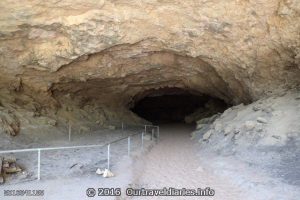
x=107 y=52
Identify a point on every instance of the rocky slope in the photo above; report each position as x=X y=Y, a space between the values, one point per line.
x=264 y=135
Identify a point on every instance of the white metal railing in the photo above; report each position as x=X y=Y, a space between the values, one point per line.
x=153 y=129
x=39 y=150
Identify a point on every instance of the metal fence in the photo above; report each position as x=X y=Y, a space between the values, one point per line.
x=154 y=129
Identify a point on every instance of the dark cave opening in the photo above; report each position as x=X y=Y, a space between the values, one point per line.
x=174 y=105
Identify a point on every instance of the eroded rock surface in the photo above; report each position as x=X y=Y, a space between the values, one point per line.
x=264 y=134
x=93 y=57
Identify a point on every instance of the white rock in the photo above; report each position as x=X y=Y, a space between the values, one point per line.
x=249 y=125
x=256 y=108
x=207 y=135
x=99 y=171
x=107 y=174
x=228 y=130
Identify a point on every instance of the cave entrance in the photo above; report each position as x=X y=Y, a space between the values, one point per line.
x=175 y=105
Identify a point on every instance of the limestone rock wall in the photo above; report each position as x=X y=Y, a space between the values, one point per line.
x=102 y=53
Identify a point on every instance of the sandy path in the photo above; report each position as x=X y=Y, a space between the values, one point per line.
x=173 y=162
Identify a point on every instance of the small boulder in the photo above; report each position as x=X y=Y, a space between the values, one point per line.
x=207 y=135
x=256 y=108
x=12 y=170
x=107 y=174
x=52 y=122
x=9 y=166
x=249 y=125
x=262 y=120
x=99 y=171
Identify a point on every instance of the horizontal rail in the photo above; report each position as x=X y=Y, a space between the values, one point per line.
x=68 y=147
x=152 y=126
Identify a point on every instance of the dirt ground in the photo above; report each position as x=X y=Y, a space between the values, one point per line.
x=176 y=161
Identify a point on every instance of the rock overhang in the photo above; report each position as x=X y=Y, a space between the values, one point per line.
x=109 y=52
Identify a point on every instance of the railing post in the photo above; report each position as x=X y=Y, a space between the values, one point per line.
x=39 y=164
x=142 y=140
x=108 y=156
x=152 y=136
x=129 y=146
x=157 y=132
x=145 y=128
x=70 y=131
x=122 y=126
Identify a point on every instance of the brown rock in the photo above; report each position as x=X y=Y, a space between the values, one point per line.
x=109 y=53
x=12 y=170
x=185 y=53
x=9 y=123
x=10 y=159
x=5 y=165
